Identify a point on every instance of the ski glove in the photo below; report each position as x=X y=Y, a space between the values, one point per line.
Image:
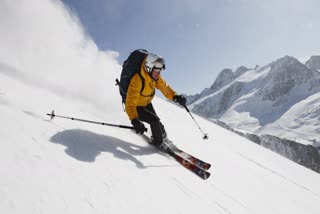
x=138 y=126
x=180 y=99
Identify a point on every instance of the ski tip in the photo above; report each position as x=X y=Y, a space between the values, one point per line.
x=207 y=166
x=206 y=176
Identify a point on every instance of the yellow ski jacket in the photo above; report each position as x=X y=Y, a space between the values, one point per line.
x=135 y=98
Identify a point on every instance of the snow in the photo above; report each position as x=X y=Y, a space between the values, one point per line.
x=73 y=167
x=252 y=75
x=300 y=120
x=65 y=166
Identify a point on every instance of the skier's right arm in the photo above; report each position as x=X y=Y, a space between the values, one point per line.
x=133 y=95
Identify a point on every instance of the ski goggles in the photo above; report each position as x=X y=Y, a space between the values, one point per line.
x=158 y=70
x=158 y=67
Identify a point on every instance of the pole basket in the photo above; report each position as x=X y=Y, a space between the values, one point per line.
x=52 y=115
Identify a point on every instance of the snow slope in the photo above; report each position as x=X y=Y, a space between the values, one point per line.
x=304 y=113
x=64 y=166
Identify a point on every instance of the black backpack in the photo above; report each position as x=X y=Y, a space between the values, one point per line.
x=131 y=66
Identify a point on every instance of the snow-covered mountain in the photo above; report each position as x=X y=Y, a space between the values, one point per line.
x=224 y=77
x=280 y=99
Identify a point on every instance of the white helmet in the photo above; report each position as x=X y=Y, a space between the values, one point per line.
x=154 y=61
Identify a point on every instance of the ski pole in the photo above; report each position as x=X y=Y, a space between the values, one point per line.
x=205 y=136
x=53 y=115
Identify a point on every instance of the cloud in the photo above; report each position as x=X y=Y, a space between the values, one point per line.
x=44 y=44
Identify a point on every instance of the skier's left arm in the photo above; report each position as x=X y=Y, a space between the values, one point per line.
x=166 y=90
x=169 y=93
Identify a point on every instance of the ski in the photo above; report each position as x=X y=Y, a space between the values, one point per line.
x=194 y=160
x=193 y=164
x=189 y=165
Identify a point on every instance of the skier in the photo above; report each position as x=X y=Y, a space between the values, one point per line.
x=138 y=104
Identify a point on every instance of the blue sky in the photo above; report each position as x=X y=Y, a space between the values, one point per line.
x=200 y=38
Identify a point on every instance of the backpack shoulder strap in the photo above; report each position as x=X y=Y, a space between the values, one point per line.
x=142 y=81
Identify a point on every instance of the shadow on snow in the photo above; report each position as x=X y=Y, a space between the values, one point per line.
x=86 y=146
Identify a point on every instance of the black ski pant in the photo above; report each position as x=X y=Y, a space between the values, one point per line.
x=147 y=114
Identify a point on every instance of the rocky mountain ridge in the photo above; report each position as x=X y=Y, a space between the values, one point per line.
x=257 y=100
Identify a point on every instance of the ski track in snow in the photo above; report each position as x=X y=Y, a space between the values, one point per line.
x=281 y=176
x=230 y=197
x=187 y=191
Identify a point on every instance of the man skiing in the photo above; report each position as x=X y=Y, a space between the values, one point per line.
x=138 y=103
